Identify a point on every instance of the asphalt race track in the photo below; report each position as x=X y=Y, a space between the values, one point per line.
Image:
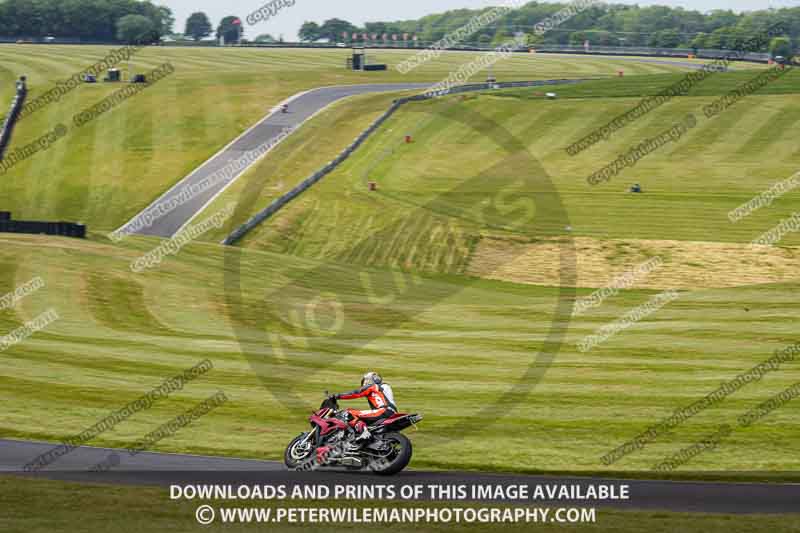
x=166 y=469
x=301 y=108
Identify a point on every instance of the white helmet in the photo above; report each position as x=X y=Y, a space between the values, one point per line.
x=371 y=378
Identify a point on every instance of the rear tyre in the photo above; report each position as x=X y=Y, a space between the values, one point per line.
x=398 y=458
x=298 y=454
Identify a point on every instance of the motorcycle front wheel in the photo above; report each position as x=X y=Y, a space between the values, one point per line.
x=298 y=451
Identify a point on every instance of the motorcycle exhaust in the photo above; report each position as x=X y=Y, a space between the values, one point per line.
x=352 y=461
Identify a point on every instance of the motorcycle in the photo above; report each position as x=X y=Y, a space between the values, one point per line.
x=331 y=442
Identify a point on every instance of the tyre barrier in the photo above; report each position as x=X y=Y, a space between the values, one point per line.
x=34 y=227
x=279 y=203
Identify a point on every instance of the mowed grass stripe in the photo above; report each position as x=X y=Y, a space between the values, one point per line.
x=766 y=133
x=109 y=295
x=723 y=132
x=774 y=139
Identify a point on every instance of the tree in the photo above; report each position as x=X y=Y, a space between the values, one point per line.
x=699 y=41
x=577 y=38
x=719 y=18
x=163 y=20
x=781 y=46
x=501 y=37
x=134 y=29
x=228 y=30
x=333 y=29
x=198 y=26
x=721 y=38
x=665 y=39
x=309 y=32
x=535 y=39
x=604 y=38
x=265 y=38
x=376 y=27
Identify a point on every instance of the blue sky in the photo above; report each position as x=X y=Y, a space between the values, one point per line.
x=289 y=20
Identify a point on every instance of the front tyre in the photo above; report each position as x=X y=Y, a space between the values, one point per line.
x=397 y=456
x=299 y=452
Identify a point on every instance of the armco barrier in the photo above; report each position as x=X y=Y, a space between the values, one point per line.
x=13 y=116
x=701 y=53
x=63 y=229
x=412 y=46
x=279 y=203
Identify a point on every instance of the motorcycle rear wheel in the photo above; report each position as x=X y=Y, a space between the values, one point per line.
x=398 y=458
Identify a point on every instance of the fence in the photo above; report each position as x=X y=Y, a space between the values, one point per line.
x=37 y=39
x=643 y=51
x=632 y=51
x=13 y=116
x=640 y=51
x=279 y=203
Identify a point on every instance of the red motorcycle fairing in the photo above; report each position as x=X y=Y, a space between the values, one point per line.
x=400 y=421
x=322 y=454
x=394 y=418
x=327 y=425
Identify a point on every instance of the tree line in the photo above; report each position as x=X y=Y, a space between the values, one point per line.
x=602 y=24
x=133 y=21
x=90 y=20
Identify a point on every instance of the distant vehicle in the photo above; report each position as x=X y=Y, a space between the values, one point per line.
x=341 y=45
x=780 y=60
x=49 y=39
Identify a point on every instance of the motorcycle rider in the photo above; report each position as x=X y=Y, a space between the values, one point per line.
x=380 y=397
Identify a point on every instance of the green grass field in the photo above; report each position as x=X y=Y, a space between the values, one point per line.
x=106 y=172
x=456 y=341
x=691 y=185
x=455 y=346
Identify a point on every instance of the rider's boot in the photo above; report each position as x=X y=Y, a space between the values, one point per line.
x=364 y=433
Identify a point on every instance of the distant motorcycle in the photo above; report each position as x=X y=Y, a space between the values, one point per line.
x=331 y=442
